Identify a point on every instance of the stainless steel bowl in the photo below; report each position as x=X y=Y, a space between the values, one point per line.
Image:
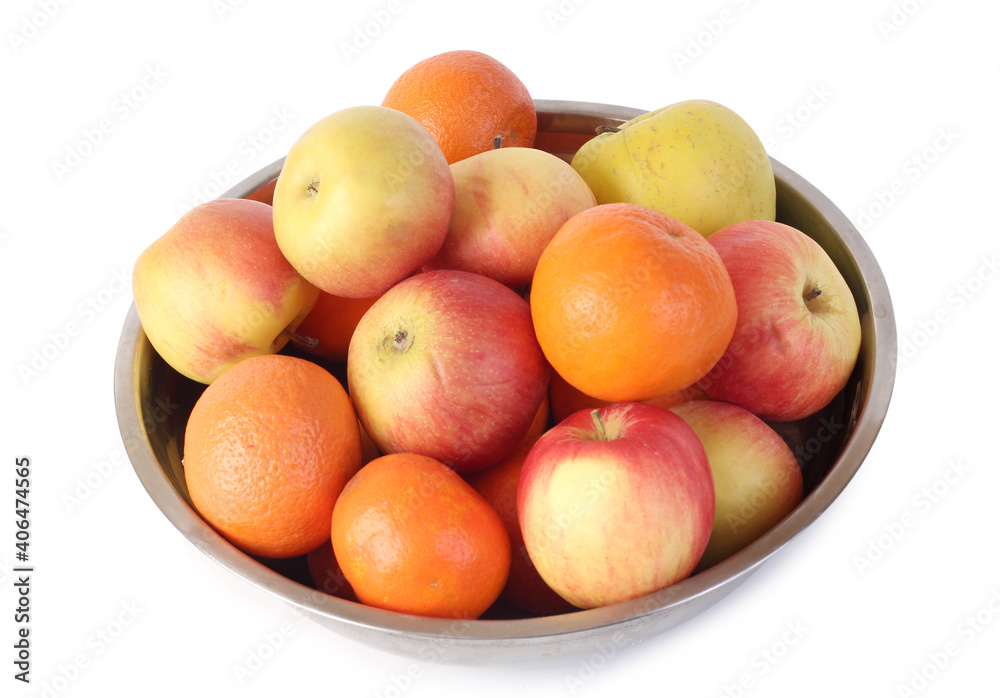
x=153 y=402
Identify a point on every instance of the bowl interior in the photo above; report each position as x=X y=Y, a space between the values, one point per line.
x=153 y=403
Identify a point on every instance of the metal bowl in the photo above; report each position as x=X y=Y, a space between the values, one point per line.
x=153 y=402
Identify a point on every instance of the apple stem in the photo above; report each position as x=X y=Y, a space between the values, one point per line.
x=300 y=339
x=604 y=128
x=497 y=142
x=602 y=434
x=812 y=294
x=313 y=188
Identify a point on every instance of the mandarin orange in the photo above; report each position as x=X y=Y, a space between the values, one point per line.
x=629 y=304
x=412 y=536
x=525 y=588
x=469 y=101
x=268 y=447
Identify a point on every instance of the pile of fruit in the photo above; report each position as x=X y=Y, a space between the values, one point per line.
x=449 y=368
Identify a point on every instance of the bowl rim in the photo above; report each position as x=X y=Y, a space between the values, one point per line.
x=545 y=629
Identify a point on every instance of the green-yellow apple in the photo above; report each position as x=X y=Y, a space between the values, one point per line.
x=215 y=289
x=363 y=200
x=757 y=478
x=446 y=364
x=798 y=333
x=615 y=503
x=697 y=161
x=509 y=202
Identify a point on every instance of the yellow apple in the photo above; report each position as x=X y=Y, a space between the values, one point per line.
x=363 y=200
x=696 y=161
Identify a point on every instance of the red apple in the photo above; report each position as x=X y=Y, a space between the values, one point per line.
x=615 y=503
x=757 y=478
x=445 y=364
x=215 y=289
x=798 y=333
x=498 y=484
x=509 y=202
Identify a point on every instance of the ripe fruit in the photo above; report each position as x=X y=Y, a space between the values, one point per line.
x=508 y=204
x=696 y=161
x=446 y=364
x=326 y=573
x=498 y=485
x=564 y=399
x=364 y=198
x=469 y=101
x=326 y=331
x=268 y=448
x=264 y=194
x=798 y=333
x=215 y=289
x=629 y=304
x=616 y=503
x=412 y=536
x=757 y=478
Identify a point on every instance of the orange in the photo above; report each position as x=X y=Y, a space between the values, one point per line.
x=326 y=573
x=525 y=588
x=470 y=102
x=540 y=424
x=412 y=536
x=629 y=303
x=268 y=448
x=564 y=399
x=264 y=194
x=327 y=330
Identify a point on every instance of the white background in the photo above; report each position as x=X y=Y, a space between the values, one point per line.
x=846 y=94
